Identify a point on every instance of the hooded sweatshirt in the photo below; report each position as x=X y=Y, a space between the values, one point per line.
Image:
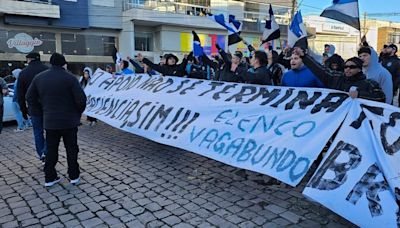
x=332 y=50
x=82 y=80
x=15 y=73
x=375 y=71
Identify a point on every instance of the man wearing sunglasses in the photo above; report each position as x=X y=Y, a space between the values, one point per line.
x=352 y=77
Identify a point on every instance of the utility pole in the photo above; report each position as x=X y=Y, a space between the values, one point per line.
x=365 y=23
x=294 y=7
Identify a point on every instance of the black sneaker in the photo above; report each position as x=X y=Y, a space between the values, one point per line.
x=49 y=184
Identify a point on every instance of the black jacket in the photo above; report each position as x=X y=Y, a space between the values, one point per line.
x=60 y=96
x=24 y=81
x=260 y=76
x=168 y=70
x=276 y=70
x=216 y=67
x=392 y=64
x=226 y=74
x=367 y=89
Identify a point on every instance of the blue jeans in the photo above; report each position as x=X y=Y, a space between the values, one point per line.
x=38 y=133
x=18 y=115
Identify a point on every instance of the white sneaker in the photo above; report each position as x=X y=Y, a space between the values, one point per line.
x=49 y=184
x=75 y=181
x=18 y=130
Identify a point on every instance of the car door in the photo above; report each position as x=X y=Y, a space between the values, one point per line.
x=8 y=106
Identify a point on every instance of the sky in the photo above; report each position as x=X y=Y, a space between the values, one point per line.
x=313 y=7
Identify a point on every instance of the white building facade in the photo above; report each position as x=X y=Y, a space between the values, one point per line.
x=157 y=27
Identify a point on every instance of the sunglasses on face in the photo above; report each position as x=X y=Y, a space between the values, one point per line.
x=351 y=66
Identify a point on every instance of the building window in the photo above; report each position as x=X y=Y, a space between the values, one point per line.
x=143 y=41
x=394 y=38
x=108 y=3
x=77 y=44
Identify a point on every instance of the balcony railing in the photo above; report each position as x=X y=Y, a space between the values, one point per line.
x=169 y=7
x=37 y=1
x=34 y=8
x=261 y=17
x=252 y=21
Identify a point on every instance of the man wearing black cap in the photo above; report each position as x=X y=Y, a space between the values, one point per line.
x=62 y=100
x=344 y=81
x=171 y=66
x=392 y=64
x=35 y=66
x=233 y=70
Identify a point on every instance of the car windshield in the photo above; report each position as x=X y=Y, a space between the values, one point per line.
x=9 y=79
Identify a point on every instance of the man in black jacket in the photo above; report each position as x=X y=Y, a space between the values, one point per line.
x=352 y=76
x=170 y=68
x=228 y=74
x=259 y=73
x=392 y=63
x=35 y=66
x=62 y=100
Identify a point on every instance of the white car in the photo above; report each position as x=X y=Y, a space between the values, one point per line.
x=8 y=114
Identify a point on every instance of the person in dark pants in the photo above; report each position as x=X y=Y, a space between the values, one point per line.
x=35 y=66
x=63 y=101
x=83 y=81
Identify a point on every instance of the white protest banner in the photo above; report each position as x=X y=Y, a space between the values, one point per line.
x=350 y=180
x=272 y=130
x=385 y=120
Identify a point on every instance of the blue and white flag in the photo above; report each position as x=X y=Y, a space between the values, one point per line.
x=271 y=31
x=233 y=26
x=220 y=19
x=197 y=48
x=234 y=37
x=345 y=11
x=297 y=34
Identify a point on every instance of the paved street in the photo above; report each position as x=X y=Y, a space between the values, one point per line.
x=128 y=181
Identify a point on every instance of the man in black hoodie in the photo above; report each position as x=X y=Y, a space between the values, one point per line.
x=392 y=63
x=35 y=66
x=62 y=100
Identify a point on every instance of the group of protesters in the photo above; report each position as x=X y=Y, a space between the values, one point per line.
x=366 y=75
x=52 y=100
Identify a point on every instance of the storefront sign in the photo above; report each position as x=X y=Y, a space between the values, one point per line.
x=335 y=28
x=24 y=42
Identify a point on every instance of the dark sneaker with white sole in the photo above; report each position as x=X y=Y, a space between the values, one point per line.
x=49 y=184
x=75 y=181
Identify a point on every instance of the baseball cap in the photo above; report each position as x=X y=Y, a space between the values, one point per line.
x=33 y=55
x=394 y=47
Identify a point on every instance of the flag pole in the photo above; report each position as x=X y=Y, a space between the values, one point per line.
x=358 y=6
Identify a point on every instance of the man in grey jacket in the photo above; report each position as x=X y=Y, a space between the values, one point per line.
x=375 y=71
